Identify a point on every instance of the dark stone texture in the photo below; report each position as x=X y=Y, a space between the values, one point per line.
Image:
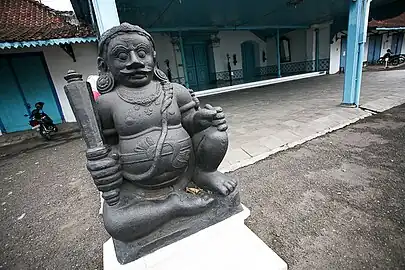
x=178 y=228
x=148 y=142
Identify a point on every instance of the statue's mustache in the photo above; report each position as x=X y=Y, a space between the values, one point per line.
x=135 y=71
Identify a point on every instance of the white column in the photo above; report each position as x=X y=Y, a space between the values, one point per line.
x=403 y=46
x=106 y=14
x=335 y=52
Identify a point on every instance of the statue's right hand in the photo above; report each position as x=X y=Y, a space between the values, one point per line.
x=106 y=172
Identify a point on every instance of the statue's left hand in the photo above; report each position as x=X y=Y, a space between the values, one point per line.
x=219 y=120
x=204 y=118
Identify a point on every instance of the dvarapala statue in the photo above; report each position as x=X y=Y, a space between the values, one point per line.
x=158 y=144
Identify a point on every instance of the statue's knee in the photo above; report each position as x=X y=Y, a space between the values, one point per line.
x=210 y=148
x=114 y=223
x=217 y=139
x=211 y=136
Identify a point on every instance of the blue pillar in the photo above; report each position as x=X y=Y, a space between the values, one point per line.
x=106 y=14
x=317 y=49
x=2 y=128
x=358 y=20
x=183 y=60
x=362 y=42
x=278 y=53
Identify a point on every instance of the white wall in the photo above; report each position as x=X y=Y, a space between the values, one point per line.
x=271 y=46
x=335 y=51
x=231 y=44
x=298 y=47
x=386 y=43
x=59 y=63
x=366 y=49
x=302 y=45
x=164 y=49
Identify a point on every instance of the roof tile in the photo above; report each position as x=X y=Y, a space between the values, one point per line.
x=398 y=21
x=27 y=20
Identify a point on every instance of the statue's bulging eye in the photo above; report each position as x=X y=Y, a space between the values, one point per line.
x=123 y=56
x=141 y=53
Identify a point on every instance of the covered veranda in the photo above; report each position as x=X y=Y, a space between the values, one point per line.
x=273 y=117
x=265 y=20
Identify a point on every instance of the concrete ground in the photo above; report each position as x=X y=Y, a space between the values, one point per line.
x=33 y=138
x=336 y=202
x=268 y=119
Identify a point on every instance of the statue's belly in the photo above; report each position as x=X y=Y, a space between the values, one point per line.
x=137 y=153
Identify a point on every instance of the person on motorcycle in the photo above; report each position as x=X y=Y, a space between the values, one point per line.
x=39 y=115
x=37 y=112
x=387 y=56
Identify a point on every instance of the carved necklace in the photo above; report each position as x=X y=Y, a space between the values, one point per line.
x=139 y=97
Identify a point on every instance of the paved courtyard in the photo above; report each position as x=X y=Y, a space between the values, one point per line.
x=268 y=119
x=336 y=202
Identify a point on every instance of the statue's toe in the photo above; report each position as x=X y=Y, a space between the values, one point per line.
x=216 y=182
x=229 y=187
x=233 y=182
x=224 y=190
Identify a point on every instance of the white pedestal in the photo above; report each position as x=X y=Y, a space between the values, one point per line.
x=225 y=245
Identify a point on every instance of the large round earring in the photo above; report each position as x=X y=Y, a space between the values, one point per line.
x=160 y=75
x=105 y=83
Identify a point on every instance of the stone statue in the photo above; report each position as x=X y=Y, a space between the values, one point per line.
x=157 y=161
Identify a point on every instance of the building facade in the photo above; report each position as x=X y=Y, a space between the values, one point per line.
x=220 y=58
x=37 y=47
x=383 y=35
x=200 y=57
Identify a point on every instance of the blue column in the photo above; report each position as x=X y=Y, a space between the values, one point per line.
x=106 y=14
x=278 y=53
x=362 y=42
x=2 y=128
x=358 y=19
x=183 y=60
x=316 y=49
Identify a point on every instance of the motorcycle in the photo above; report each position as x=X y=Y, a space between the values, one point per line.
x=41 y=122
x=394 y=60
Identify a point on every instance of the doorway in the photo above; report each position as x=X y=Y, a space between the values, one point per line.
x=343 y=52
x=250 y=52
x=197 y=65
x=25 y=81
x=374 y=49
x=396 y=44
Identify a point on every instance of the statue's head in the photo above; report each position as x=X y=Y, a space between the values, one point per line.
x=127 y=56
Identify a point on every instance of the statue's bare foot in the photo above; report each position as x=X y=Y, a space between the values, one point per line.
x=215 y=182
x=190 y=204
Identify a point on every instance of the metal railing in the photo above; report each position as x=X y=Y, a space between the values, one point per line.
x=287 y=69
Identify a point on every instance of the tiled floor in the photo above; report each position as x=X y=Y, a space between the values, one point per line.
x=268 y=119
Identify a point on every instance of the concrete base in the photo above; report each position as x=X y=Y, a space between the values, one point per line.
x=225 y=245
